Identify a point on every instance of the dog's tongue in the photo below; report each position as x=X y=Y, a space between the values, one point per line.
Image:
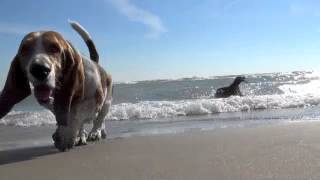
x=42 y=92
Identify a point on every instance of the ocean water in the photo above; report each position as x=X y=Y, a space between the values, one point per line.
x=171 y=106
x=160 y=100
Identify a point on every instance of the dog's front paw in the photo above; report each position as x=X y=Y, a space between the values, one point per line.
x=63 y=138
x=94 y=135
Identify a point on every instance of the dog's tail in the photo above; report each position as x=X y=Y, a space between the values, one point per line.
x=86 y=37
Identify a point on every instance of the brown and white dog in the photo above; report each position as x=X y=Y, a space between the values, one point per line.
x=75 y=88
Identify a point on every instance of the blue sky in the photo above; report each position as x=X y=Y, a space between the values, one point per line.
x=160 y=39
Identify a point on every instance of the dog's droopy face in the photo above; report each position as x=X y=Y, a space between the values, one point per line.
x=71 y=86
x=41 y=56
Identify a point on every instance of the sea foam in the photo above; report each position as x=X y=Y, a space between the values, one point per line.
x=165 y=109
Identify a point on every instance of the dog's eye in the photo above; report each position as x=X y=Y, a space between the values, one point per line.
x=53 y=48
x=25 y=50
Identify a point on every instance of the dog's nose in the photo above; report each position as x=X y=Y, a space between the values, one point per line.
x=40 y=71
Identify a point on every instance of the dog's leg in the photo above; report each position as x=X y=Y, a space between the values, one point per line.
x=65 y=136
x=98 y=130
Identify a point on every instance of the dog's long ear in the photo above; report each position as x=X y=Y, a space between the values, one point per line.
x=16 y=88
x=71 y=84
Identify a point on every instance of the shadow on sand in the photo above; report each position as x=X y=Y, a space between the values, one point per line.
x=19 y=155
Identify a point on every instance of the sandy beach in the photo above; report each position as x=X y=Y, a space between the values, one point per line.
x=282 y=151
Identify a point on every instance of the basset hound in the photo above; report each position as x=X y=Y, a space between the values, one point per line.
x=76 y=89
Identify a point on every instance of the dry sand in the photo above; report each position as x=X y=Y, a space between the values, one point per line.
x=290 y=151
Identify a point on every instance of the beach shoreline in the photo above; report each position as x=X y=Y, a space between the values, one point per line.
x=278 y=151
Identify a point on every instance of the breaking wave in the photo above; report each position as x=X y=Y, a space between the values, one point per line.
x=165 y=109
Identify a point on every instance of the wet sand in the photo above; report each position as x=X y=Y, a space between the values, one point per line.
x=282 y=151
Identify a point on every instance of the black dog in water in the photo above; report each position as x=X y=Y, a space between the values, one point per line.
x=232 y=90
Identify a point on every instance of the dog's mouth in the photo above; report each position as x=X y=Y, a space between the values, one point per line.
x=43 y=93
